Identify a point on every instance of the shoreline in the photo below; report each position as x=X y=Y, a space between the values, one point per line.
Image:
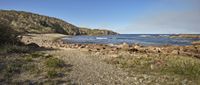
x=55 y=41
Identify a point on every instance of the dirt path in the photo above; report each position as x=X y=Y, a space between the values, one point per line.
x=88 y=70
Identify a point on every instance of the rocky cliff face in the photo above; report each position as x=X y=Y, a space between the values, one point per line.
x=25 y=22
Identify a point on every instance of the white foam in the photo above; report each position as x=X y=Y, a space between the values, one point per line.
x=101 y=38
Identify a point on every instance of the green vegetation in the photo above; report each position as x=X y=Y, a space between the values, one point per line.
x=92 y=32
x=32 y=64
x=13 y=48
x=25 y=22
x=152 y=64
x=14 y=65
x=7 y=35
x=52 y=74
x=54 y=67
x=54 y=63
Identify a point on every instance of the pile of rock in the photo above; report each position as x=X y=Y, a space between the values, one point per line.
x=192 y=50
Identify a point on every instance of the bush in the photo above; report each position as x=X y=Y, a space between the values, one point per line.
x=54 y=63
x=7 y=35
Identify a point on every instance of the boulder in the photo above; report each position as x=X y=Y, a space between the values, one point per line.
x=33 y=45
x=175 y=52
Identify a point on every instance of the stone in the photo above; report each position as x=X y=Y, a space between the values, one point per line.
x=175 y=52
x=33 y=45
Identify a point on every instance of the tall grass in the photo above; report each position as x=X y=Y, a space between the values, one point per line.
x=182 y=66
x=13 y=48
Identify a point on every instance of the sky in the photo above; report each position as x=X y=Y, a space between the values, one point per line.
x=122 y=16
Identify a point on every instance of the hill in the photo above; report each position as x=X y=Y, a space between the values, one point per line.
x=26 y=22
x=87 y=31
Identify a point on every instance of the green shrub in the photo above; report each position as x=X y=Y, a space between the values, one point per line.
x=7 y=35
x=54 y=63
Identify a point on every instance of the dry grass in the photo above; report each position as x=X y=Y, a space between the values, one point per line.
x=32 y=64
x=154 y=64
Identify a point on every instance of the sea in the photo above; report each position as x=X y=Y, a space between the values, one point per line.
x=142 y=39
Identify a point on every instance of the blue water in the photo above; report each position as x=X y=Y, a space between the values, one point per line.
x=143 y=39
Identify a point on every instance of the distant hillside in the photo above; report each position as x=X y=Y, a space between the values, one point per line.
x=87 y=31
x=25 y=22
x=197 y=36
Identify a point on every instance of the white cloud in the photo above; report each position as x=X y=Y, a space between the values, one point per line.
x=173 y=21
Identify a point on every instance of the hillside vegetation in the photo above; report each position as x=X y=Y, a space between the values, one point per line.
x=87 y=31
x=25 y=22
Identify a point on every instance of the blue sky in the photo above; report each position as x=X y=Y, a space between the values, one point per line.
x=123 y=16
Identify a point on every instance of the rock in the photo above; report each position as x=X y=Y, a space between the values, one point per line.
x=124 y=46
x=175 y=52
x=114 y=56
x=33 y=45
x=133 y=50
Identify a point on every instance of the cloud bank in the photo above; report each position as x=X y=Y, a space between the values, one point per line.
x=186 y=20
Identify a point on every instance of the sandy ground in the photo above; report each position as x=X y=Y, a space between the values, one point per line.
x=90 y=70
x=52 y=36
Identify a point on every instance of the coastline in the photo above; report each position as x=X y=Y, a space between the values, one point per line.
x=55 y=41
x=94 y=63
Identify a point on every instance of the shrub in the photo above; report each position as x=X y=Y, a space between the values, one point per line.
x=54 y=63
x=7 y=35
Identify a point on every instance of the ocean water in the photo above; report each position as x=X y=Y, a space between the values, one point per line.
x=143 y=39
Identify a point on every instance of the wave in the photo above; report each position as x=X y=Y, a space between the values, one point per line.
x=101 y=38
x=145 y=36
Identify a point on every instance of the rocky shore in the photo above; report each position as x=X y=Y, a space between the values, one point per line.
x=196 y=36
x=45 y=41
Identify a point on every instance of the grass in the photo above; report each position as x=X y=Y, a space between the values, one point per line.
x=36 y=55
x=12 y=48
x=52 y=74
x=185 y=66
x=53 y=66
x=16 y=66
x=172 y=65
x=36 y=63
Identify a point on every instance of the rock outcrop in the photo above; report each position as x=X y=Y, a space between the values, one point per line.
x=197 y=36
